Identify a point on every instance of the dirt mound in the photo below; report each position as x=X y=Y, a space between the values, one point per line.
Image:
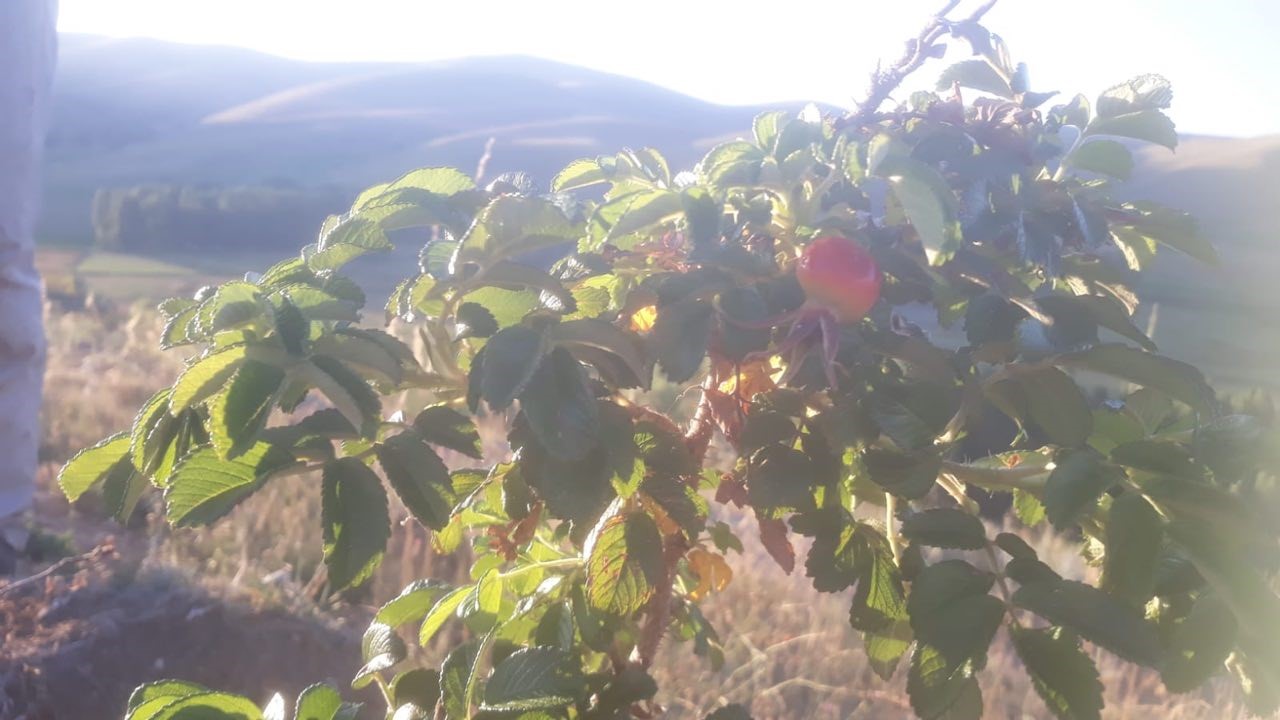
x=72 y=646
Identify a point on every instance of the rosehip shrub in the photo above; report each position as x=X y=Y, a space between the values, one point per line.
x=845 y=298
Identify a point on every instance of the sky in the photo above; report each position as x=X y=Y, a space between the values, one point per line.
x=1221 y=55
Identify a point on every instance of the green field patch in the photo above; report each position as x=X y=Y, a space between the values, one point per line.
x=109 y=263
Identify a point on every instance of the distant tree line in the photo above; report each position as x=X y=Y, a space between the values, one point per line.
x=185 y=217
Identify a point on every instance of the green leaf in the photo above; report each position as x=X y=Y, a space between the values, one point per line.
x=371 y=353
x=535 y=678
x=742 y=306
x=205 y=377
x=908 y=475
x=508 y=307
x=318 y=702
x=474 y=321
x=1176 y=379
x=316 y=304
x=1075 y=113
x=349 y=240
x=928 y=202
x=418 y=686
x=838 y=556
x=181 y=328
x=349 y=393
x=91 y=465
x=1077 y=482
x=912 y=415
x=590 y=333
x=1249 y=595
x=945 y=528
x=679 y=337
x=1150 y=125
x=579 y=174
x=122 y=487
x=442 y=425
x=731 y=164
x=1063 y=676
x=798 y=135
x=204 y=487
x=442 y=610
x=1028 y=508
x=779 y=476
x=1173 y=228
x=1105 y=311
x=1144 y=92
x=445 y=181
x=1134 y=538
x=1095 y=616
x=940 y=691
x=647 y=211
x=413 y=603
x=1046 y=397
x=575 y=490
x=482 y=607
x=1224 y=516
x=154 y=430
x=976 y=74
x=1199 y=644
x=355 y=522
x=560 y=407
x=1104 y=157
x=624 y=563
x=455 y=675
x=419 y=477
x=1015 y=546
x=162 y=690
x=511 y=358
x=380 y=648
x=233 y=305
x=239 y=412
x=512 y=225
x=203 y=706
x=517 y=276
x=951 y=611
x=879 y=606
x=766 y=126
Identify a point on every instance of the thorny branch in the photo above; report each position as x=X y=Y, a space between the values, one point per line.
x=918 y=50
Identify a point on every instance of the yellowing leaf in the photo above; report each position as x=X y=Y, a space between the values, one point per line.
x=750 y=379
x=642 y=320
x=714 y=574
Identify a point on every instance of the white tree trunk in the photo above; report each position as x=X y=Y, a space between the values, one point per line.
x=27 y=51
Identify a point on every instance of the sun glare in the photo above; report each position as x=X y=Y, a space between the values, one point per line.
x=729 y=52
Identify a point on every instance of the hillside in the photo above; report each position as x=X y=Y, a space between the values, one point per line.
x=1222 y=319
x=130 y=111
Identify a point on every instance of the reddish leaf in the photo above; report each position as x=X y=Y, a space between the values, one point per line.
x=773 y=533
x=726 y=413
x=731 y=490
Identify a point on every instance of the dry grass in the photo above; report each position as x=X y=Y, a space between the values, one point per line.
x=789 y=651
x=790 y=654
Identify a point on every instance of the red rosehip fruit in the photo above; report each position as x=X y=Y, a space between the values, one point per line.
x=840 y=275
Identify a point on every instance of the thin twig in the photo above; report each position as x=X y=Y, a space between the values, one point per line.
x=884 y=82
x=485 y=157
x=891 y=532
x=698 y=436
x=104 y=549
x=1027 y=478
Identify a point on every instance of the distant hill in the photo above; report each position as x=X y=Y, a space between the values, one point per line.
x=1226 y=319
x=131 y=111
x=138 y=111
